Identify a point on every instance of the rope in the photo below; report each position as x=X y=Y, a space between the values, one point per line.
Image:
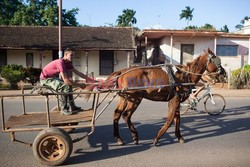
x=214 y=73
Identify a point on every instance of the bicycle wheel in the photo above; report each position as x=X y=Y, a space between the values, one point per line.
x=214 y=105
x=185 y=106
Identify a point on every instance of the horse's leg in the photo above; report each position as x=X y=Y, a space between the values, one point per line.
x=177 y=126
x=117 y=115
x=173 y=106
x=132 y=105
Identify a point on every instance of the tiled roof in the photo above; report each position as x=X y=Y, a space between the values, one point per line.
x=92 y=38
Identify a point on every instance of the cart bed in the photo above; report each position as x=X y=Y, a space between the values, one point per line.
x=40 y=118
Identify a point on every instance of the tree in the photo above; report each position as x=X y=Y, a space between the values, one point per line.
x=8 y=9
x=242 y=22
x=36 y=13
x=224 y=29
x=127 y=19
x=208 y=27
x=187 y=14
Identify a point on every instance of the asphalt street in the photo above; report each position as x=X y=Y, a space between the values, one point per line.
x=219 y=141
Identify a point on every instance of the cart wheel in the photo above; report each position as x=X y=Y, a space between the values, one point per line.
x=52 y=146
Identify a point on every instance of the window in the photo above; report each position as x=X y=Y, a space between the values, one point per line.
x=29 y=60
x=3 y=58
x=227 y=50
x=106 y=62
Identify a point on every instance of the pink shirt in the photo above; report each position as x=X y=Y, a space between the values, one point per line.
x=54 y=68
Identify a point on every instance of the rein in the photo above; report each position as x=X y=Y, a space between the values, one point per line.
x=215 y=60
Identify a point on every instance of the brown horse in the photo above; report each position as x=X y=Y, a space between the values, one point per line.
x=158 y=83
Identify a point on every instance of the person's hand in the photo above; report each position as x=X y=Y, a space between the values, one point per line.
x=83 y=86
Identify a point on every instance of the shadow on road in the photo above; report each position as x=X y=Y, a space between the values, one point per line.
x=193 y=127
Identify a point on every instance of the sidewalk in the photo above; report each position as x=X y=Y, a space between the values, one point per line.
x=215 y=89
x=226 y=92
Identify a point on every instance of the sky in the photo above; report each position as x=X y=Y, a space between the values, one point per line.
x=162 y=14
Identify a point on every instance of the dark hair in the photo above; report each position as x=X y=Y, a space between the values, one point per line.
x=68 y=50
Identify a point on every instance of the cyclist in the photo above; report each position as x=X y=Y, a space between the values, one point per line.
x=202 y=84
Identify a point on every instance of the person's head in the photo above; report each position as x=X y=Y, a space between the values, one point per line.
x=68 y=54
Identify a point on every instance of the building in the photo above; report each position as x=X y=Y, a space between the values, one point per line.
x=99 y=50
x=182 y=46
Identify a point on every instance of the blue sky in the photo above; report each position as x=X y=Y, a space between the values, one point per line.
x=161 y=13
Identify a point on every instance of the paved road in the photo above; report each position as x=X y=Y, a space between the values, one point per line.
x=211 y=141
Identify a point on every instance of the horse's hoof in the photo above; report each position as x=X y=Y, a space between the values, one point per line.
x=155 y=142
x=181 y=140
x=136 y=141
x=119 y=142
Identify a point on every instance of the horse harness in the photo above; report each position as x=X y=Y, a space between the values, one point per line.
x=170 y=70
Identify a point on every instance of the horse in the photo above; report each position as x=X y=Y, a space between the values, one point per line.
x=158 y=83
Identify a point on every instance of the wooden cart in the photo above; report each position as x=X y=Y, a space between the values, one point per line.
x=53 y=145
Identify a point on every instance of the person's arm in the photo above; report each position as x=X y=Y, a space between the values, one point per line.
x=68 y=81
x=83 y=75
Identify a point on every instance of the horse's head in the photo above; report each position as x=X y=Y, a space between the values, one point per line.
x=214 y=63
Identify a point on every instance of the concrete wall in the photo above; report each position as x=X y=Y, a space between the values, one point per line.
x=79 y=61
x=202 y=43
x=19 y=57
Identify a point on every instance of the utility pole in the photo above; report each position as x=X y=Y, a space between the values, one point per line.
x=60 y=29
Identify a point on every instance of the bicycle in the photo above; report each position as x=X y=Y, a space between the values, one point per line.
x=214 y=104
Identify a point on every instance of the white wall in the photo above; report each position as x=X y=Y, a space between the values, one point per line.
x=19 y=57
x=234 y=62
x=202 y=43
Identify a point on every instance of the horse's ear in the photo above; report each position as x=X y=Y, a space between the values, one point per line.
x=209 y=51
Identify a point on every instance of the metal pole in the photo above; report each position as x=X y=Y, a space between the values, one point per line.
x=3 y=119
x=60 y=29
x=47 y=111
x=215 y=44
x=24 y=109
x=171 y=47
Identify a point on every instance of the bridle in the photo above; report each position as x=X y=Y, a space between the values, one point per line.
x=216 y=60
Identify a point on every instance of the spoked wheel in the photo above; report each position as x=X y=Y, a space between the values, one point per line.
x=52 y=146
x=185 y=106
x=214 y=105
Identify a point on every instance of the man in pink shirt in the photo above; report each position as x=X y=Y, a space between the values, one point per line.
x=64 y=68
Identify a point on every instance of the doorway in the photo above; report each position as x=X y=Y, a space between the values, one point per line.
x=106 y=62
x=187 y=53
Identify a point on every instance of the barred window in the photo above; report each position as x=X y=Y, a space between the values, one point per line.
x=227 y=50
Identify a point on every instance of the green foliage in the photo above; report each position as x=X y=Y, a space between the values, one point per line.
x=13 y=74
x=241 y=78
x=187 y=14
x=224 y=29
x=32 y=75
x=127 y=19
x=35 y=13
x=207 y=27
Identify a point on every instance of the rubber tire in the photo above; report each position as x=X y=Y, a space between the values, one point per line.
x=59 y=133
x=221 y=99
x=184 y=109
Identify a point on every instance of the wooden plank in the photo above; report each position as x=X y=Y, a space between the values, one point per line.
x=34 y=119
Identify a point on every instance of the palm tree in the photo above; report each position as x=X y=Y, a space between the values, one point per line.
x=187 y=14
x=127 y=18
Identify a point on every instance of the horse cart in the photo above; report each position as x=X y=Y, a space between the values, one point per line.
x=53 y=145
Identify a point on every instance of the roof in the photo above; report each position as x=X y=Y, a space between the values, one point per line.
x=82 y=38
x=156 y=34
